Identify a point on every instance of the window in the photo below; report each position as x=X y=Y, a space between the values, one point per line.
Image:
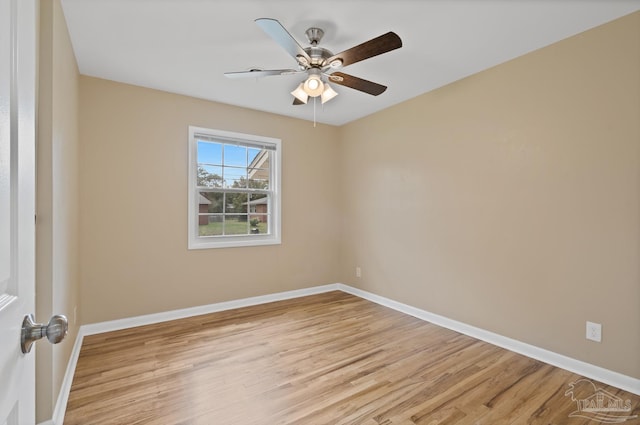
x=234 y=189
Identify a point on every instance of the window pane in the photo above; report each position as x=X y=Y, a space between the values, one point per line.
x=236 y=225
x=236 y=203
x=258 y=178
x=258 y=213
x=210 y=202
x=258 y=172
x=253 y=154
x=235 y=155
x=259 y=203
x=259 y=224
x=210 y=153
x=210 y=225
x=259 y=158
x=235 y=177
x=209 y=176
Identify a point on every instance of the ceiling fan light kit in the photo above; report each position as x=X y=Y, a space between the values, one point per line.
x=320 y=64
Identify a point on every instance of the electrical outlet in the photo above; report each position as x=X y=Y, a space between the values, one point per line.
x=358 y=272
x=594 y=331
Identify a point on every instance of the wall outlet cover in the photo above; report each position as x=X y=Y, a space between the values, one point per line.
x=594 y=331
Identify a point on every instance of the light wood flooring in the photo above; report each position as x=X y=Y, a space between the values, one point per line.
x=331 y=358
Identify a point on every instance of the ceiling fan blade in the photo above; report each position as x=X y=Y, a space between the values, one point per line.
x=357 y=83
x=257 y=73
x=374 y=47
x=275 y=30
x=297 y=101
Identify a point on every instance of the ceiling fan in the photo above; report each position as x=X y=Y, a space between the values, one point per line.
x=320 y=64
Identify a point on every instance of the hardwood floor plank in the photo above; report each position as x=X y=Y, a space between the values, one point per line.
x=331 y=358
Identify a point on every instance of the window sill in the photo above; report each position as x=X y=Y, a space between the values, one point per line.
x=231 y=242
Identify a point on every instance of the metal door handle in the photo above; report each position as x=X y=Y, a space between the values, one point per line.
x=55 y=331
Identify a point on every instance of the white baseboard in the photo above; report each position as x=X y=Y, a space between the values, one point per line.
x=115 y=325
x=61 y=404
x=606 y=376
x=587 y=370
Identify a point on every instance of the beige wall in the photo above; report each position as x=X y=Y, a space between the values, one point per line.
x=57 y=199
x=510 y=200
x=133 y=168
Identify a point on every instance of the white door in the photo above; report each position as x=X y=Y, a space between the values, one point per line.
x=17 y=198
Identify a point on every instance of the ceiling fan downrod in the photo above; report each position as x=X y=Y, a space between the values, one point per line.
x=314 y=35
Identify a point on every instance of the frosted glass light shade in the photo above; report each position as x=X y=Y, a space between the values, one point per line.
x=328 y=93
x=300 y=94
x=313 y=86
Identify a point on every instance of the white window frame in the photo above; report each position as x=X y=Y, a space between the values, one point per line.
x=229 y=241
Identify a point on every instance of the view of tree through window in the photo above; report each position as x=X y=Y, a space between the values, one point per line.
x=233 y=183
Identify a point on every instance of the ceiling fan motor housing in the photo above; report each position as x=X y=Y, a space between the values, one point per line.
x=318 y=56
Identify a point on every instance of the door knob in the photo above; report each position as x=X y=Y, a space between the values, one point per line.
x=55 y=331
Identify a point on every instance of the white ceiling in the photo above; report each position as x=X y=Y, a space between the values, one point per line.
x=185 y=46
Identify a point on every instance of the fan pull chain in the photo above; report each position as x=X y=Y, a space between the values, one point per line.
x=314 y=111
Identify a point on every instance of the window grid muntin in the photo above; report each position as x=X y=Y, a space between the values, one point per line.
x=225 y=189
x=247 y=168
x=270 y=145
